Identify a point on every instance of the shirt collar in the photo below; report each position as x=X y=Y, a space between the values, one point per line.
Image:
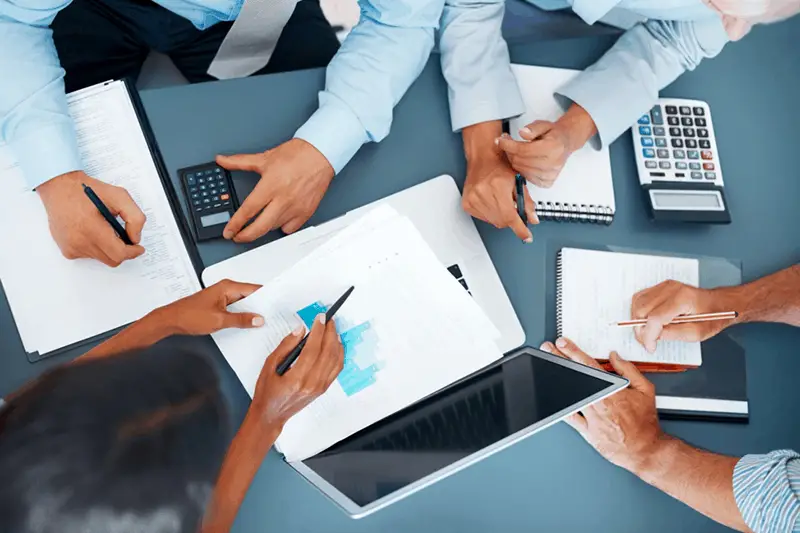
x=593 y=10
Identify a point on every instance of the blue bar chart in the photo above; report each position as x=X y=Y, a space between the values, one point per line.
x=361 y=364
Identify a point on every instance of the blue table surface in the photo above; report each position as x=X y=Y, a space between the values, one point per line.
x=552 y=481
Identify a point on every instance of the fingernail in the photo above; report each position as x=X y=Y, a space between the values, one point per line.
x=525 y=130
x=535 y=218
x=545 y=346
x=297 y=331
x=321 y=318
x=497 y=141
x=560 y=342
x=528 y=240
x=227 y=234
x=258 y=321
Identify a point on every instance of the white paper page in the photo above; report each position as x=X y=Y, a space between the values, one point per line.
x=586 y=176
x=596 y=291
x=409 y=329
x=57 y=302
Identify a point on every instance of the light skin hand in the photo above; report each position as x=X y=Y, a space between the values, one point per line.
x=546 y=146
x=490 y=188
x=78 y=228
x=624 y=429
x=669 y=299
x=294 y=178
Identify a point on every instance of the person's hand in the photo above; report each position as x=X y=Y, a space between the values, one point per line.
x=206 y=312
x=541 y=155
x=294 y=178
x=490 y=194
x=278 y=398
x=669 y=299
x=624 y=427
x=78 y=228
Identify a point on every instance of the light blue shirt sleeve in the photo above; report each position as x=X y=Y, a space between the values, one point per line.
x=767 y=491
x=33 y=107
x=624 y=83
x=378 y=61
x=475 y=63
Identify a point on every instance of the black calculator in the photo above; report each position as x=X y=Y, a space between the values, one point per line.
x=211 y=198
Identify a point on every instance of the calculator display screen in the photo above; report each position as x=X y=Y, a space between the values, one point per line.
x=687 y=200
x=216 y=218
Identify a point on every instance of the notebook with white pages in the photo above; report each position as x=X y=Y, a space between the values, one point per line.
x=594 y=291
x=409 y=329
x=56 y=302
x=584 y=190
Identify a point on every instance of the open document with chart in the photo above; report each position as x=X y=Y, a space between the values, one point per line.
x=57 y=302
x=409 y=328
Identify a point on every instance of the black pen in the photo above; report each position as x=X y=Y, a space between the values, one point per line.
x=111 y=219
x=521 y=198
x=294 y=354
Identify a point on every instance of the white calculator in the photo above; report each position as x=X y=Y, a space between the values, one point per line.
x=678 y=163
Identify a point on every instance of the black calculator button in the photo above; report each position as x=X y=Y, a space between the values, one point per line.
x=656 y=115
x=217 y=205
x=666 y=165
x=677 y=143
x=687 y=121
x=218 y=170
x=658 y=130
x=192 y=189
x=699 y=111
x=703 y=133
x=678 y=154
x=675 y=132
x=199 y=209
x=673 y=121
x=663 y=154
x=685 y=110
x=661 y=142
x=195 y=202
x=204 y=193
x=705 y=144
x=691 y=143
x=701 y=122
x=208 y=172
x=688 y=132
x=206 y=201
x=226 y=202
x=202 y=187
x=215 y=198
x=212 y=192
x=672 y=110
x=190 y=179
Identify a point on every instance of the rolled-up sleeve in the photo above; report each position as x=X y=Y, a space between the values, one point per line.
x=767 y=491
x=33 y=107
x=475 y=63
x=625 y=82
x=377 y=63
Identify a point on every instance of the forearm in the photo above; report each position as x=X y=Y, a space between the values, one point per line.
x=148 y=330
x=774 y=298
x=245 y=455
x=479 y=146
x=579 y=125
x=700 y=479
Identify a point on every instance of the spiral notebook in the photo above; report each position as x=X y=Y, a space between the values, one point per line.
x=594 y=291
x=584 y=191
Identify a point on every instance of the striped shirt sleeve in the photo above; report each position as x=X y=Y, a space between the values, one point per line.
x=767 y=491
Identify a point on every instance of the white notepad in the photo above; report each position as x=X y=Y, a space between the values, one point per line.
x=56 y=302
x=594 y=290
x=409 y=328
x=584 y=190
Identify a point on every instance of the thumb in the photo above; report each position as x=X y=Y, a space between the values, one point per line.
x=132 y=252
x=250 y=162
x=242 y=320
x=288 y=344
x=628 y=370
x=535 y=129
x=510 y=146
x=121 y=203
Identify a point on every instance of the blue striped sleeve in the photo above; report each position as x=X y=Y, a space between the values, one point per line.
x=767 y=491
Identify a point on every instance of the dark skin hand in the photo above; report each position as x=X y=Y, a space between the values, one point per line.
x=294 y=178
x=78 y=228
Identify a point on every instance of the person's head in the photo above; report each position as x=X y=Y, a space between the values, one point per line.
x=739 y=16
x=129 y=443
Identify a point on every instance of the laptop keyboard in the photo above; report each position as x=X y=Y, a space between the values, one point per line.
x=467 y=424
x=455 y=270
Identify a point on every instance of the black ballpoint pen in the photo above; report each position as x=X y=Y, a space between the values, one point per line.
x=294 y=354
x=111 y=219
x=520 y=183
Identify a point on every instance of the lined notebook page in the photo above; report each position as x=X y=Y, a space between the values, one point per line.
x=586 y=177
x=595 y=289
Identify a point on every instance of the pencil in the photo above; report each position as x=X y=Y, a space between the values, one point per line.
x=683 y=319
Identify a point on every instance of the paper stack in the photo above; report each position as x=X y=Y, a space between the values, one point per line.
x=409 y=328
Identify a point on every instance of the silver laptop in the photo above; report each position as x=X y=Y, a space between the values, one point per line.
x=435 y=209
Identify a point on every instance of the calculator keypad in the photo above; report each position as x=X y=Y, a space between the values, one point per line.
x=208 y=189
x=682 y=146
